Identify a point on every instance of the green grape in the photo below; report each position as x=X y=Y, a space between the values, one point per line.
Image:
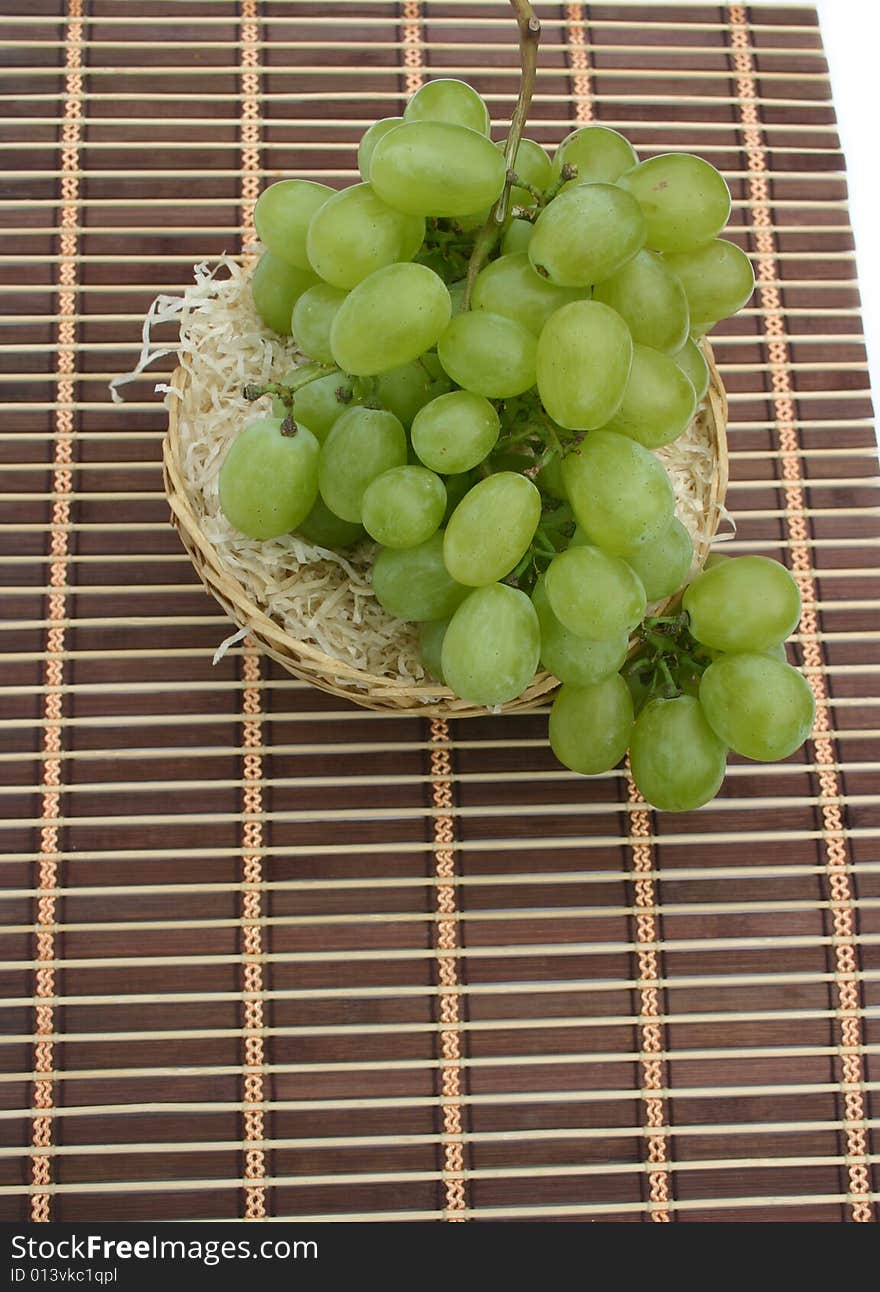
x=510 y=286
x=455 y=432
x=747 y=604
x=583 y=364
x=760 y=706
x=593 y=594
x=412 y=386
x=685 y=200
x=659 y=401
x=517 y=236
x=389 y=319
x=413 y=583
x=717 y=278
x=320 y=403
x=433 y=168
x=269 y=480
x=597 y=152
x=368 y=142
x=569 y=657
x=282 y=215
x=531 y=164
x=325 y=529
x=678 y=762
x=590 y=725
x=488 y=354
x=693 y=364
x=276 y=287
x=619 y=492
x=490 y=651
x=431 y=637
x=663 y=564
x=491 y=528
x=549 y=479
x=355 y=233
x=404 y=506
x=586 y=234
x=650 y=300
x=456 y=488
x=454 y=102
x=363 y=443
x=313 y=316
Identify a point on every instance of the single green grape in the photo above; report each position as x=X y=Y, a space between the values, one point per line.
x=370 y=138
x=590 y=726
x=491 y=528
x=531 y=164
x=597 y=152
x=282 y=216
x=691 y=360
x=758 y=705
x=269 y=480
x=434 y=168
x=584 y=358
x=390 y=318
x=313 y=316
x=354 y=233
x=319 y=404
x=659 y=401
x=651 y=301
x=454 y=102
x=717 y=278
x=276 y=287
x=363 y=443
x=517 y=236
x=685 y=200
x=593 y=594
x=677 y=761
x=411 y=387
x=413 y=582
x=569 y=657
x=431 y=636
x=746 y=604
x=488 y=354
x=510 y=286
x=586 y=234
x=325 y=529
x=490 y=650
x=663 y=564
x=403 y=506
x=455 y=432
x=619 y=492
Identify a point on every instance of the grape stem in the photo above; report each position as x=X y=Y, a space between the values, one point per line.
x=529 y=39
x=285 y=391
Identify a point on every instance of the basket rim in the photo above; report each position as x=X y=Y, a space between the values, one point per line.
x=308 y=661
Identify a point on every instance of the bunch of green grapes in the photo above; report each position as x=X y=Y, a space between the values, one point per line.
x=494 y=356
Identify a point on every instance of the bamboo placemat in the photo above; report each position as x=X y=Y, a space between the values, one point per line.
x=268 y=954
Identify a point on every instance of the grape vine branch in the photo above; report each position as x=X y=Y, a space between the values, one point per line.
x=529 y=39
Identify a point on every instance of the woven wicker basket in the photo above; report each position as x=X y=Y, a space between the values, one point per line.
x=306 y=660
